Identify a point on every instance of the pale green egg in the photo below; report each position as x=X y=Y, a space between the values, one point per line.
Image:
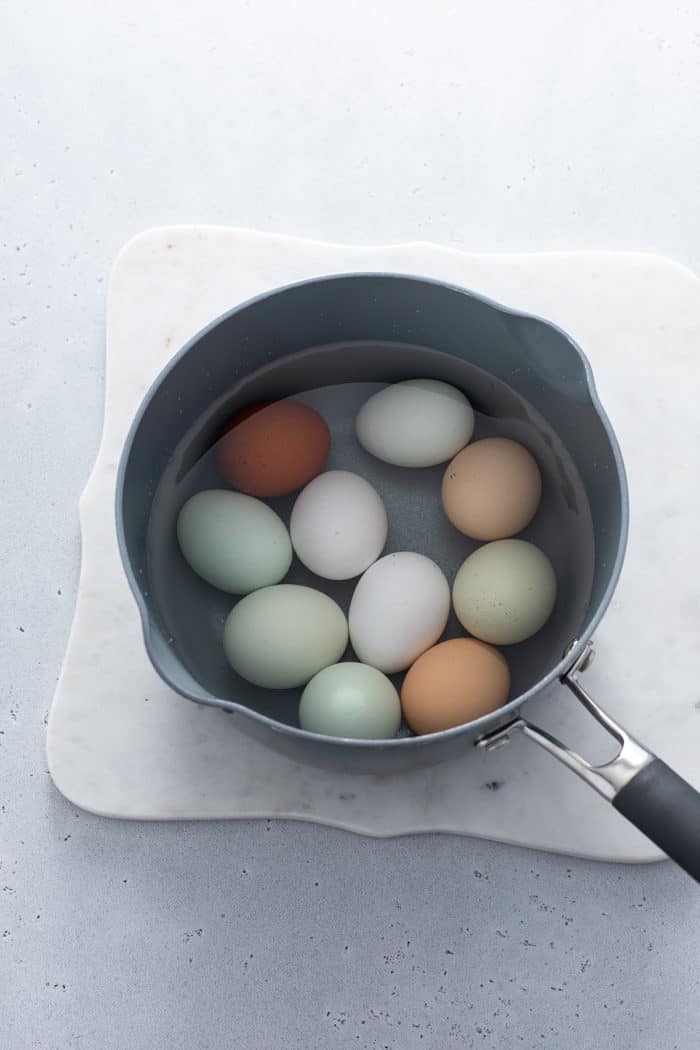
x=280 y=637
x=351 y=700
x=505 y=592
x=235 y=542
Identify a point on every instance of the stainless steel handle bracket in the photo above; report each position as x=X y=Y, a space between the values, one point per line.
x=610 y=777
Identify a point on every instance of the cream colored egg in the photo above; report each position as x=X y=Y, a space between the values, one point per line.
x=416 y=423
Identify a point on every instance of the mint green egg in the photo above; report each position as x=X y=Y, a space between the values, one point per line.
x=351 y=700
x=234 y=542
x=280 y=637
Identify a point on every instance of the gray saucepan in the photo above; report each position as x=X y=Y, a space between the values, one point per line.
x=334 y=339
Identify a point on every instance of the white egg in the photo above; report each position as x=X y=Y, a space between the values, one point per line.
x=235 y=542
x=280 y=637
x=338 y=525
x=416 y=423
x=399 y=609
x=351 y=700
x=505 y=591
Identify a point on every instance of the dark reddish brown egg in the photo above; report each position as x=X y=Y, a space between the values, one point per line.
x=274 y=448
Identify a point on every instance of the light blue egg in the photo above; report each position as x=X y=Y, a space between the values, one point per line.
x=351 y=700
x=235 y=542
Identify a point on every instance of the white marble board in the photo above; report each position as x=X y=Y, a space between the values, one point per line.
x=122 y=744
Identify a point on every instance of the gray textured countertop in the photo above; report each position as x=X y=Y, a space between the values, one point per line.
x=491 y=131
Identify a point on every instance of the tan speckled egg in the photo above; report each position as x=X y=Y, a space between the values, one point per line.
x=453 y=683
x=492 y=489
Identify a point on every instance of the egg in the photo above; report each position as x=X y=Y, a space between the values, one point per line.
x=338 y=525
x=452 y=683
x=416 y=423
x=280 y=637
x=234 y=542
x=350 y=700
x=272 y=449
x=505 y=591
x=398 y=610
x=492 y=489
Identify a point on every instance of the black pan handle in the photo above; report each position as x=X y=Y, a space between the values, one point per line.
x=667 y=809
x=638 y=784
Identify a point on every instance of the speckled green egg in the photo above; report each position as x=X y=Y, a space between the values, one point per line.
x=505 y=592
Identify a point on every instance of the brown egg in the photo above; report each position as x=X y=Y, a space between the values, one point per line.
x=273 y=448
x=453 y=683
x=492 y=489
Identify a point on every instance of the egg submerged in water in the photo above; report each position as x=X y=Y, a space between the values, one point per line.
x=351 y=700
x=280 y=637
x=505 y=591
x=338 y=525
x=454 y=682
x=233 y=541
x=273 y=448
x=398 y=610
x=492 y=489
x=415 y=423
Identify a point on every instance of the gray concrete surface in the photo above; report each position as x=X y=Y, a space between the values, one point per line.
x=493 y=127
